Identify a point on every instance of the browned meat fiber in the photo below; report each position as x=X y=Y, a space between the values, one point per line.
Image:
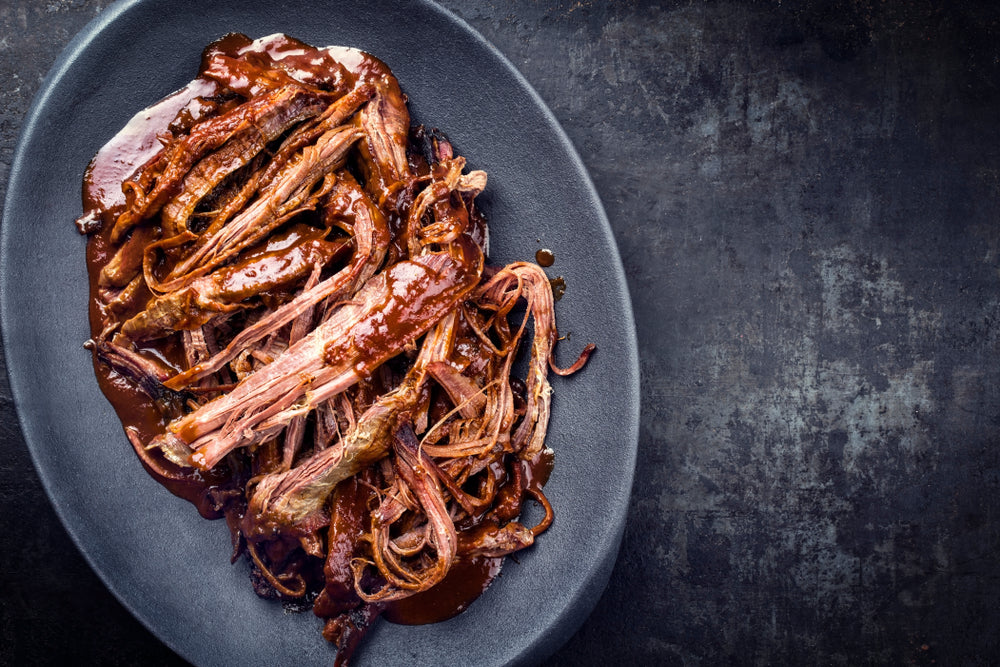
x=293 y=314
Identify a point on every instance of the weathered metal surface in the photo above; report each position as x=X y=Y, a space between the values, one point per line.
x=806 y=201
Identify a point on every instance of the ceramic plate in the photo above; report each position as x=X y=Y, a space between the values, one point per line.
x=165 y=563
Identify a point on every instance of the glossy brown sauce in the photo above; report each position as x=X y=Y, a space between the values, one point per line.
x=413 y=294
x=467 y=579
x=134 y=408
x=558 y=287
x=136 y=144
x=545 y=257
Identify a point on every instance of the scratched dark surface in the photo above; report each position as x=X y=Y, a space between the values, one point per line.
x=807 y=204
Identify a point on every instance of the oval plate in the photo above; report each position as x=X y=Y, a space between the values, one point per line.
x=165 y=563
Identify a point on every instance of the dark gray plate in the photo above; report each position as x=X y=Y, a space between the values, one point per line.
x=165 y=563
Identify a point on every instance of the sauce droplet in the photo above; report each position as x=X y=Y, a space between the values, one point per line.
x=558 y=287
x=545 y=257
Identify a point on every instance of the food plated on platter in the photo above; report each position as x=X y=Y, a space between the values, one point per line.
x=293 y=313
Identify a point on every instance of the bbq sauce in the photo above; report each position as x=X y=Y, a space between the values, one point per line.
x=134 y=408
x=558 y=287
x=103 y=200
x=545 y=257
x=464 y=583
x=138 y=141
x=468 y=578
x=133 y=146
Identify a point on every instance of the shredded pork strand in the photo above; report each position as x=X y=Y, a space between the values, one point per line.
x=297 y=282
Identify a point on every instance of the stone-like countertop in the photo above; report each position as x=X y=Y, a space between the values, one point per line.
x=806 y=197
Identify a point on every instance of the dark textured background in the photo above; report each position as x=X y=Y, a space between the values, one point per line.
x=807 y=202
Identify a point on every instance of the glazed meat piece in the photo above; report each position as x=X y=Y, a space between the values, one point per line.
x=230 y=288
x=389 y=313
x=252 y=120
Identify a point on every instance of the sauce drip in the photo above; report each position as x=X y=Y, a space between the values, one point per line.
x=558 y=287
x=545 y=257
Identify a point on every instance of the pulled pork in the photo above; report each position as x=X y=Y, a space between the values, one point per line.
x=290 y=282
